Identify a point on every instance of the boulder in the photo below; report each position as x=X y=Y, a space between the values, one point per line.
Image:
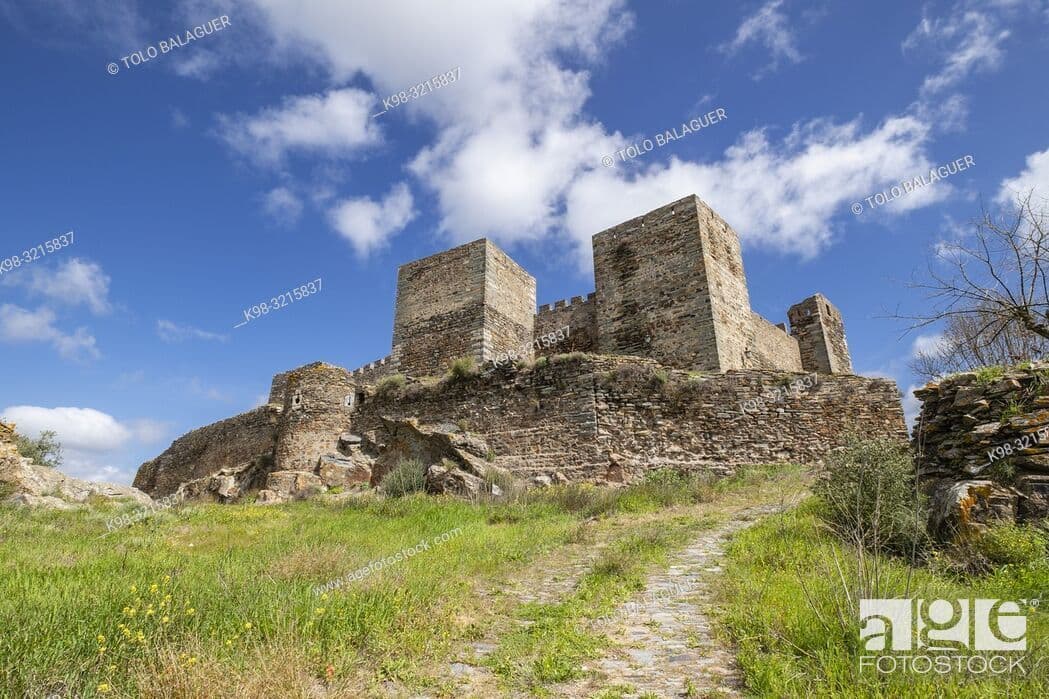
x=542 y=481
x=964 y=508
x=344 y=472
x=268 y=497
x=448 y=479
x=294 y=485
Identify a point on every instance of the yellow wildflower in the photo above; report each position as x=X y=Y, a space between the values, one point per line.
x=165 y=620
x=101 y=638
x=248 y=626
x=134 y=589
x=103 y=688
x=319 y=611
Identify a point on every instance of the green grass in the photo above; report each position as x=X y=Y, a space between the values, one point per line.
x=64 y=583
x=785 y=606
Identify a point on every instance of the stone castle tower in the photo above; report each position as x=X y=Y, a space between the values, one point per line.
x=670 y=286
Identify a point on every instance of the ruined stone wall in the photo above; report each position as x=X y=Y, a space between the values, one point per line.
x=611 y=418
x=729 y=298
x=579 y=315
x=318 y=403
x=772 y=347
x=440 y=314
x=8 y=443
x=536 y=421
x=982 y=442
x=820 y=331
x=509 y=304
x=720 y=421
x=232 y=442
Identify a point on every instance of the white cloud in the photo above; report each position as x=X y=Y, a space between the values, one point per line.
x=91 y=439
x=768 y=27
x=368 y=224
x=83 y=429
x=72 y=283
x=928 y=344
x=967 y=42
x=911 y=405
x=778 y=195
x=198 y=388
x=337 y=123
x=18 y=324
x=173 y=332
x=283 y=206
x=179 y=120
x=1035 y=176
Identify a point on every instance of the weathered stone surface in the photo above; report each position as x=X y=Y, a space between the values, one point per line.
x=1013 y=449
x=229 y=484
x=1034 y=503
x=268 y=497
x=341 y=471
x=294 y=485
x=964 y=508
x=448 y=479
x=33 y=485
x=208 y=450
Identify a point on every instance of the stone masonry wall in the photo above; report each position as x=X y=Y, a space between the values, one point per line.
x=371 y=373
x=982 y=443
x=318 y=402
x=509 y=304
x=603 y=418
x=579 y=315
x=652 y=285
x=772 y=347
x=440 y=313
x=232 y=442
x=820 y=331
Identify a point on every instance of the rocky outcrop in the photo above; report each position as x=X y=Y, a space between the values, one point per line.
x=24 y=483
x=982 y=444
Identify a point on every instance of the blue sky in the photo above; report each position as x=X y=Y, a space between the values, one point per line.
x=247 y=162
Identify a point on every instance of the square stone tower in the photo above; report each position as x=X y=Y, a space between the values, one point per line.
x=670 y=286
x=472 y=300
x=820 y=331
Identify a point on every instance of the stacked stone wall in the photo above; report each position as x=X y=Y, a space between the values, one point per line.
x=318 y=404
x=772 y=347
x=440 y=314
x=652 y=289
x=579 y=315
x=232 y=442
x=820 y=331
x=509 y=305
x=982 y=446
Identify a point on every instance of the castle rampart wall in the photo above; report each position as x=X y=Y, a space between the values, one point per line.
x=579 y=314
x=231 y=442
x=772 y=347
x=319 y=401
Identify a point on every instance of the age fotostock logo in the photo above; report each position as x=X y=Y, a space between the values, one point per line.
x=923 y=636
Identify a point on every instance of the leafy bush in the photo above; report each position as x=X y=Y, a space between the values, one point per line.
x=1012 y=544
x=45 y=450
x=389 y=385
x=462 y=369
x=408 y=476
x=868 y=497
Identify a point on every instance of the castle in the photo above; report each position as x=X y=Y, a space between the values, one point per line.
x=669 y=286
x=650 y=371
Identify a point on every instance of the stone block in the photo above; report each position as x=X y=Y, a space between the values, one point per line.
x=343 y=472
x=294 y=484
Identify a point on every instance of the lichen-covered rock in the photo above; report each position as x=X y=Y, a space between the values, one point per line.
x=966 y=508
x=343 y=472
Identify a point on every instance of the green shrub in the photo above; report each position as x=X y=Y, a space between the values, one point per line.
x=868 y=497
x=1012 y=410
x=408 y=476
x=45 y=450
x=388 y=385
x=461 y=369
x=1012 y=544
x=989 y=374
x=1002 y=471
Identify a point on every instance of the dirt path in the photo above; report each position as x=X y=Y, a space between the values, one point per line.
x=662 y=639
